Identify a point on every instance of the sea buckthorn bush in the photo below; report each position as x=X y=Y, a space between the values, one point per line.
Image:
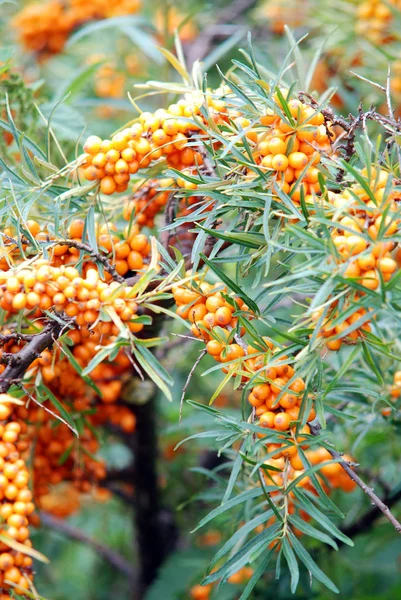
x=199 y=299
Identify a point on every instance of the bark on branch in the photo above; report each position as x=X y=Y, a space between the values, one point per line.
x=21 y=361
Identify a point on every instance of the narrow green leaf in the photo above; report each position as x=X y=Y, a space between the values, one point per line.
x=292 y=564
x=310 y=564
x=240 y=499
x=312 y=531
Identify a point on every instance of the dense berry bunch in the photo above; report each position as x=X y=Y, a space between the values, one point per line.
x=208 y=307
x=45 y=28
x=127 y=250
x=97 y=308
x=365 y=222
x=16 y=505
x=278 y=393
x=43 y=286
x=375 y=20
x=163 y=134
x=331 y=476
x=290 y=149
x=57 y=457
x=147 y=201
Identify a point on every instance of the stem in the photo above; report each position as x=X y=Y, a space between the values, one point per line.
x=20 y=362
x=370 y=516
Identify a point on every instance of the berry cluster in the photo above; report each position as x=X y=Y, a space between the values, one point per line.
x=287 y=148
x=165 y=133
x=147 y=201
x=45 y=28
x=362 y=238
x=375 y=20
x=42 y=286
x=333 y=473
x=281 y=472
x=128 y=251
x=277 y=394
x=208 y=307
x=56 y=456
x=16 y=505
x=69 y=283
x=290 y=149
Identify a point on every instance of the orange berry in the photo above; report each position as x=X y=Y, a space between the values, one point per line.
x=232 y=352
x=277 y=146
x=288 y=400
x=135 y=260
x=298 y=160
x=223 y=316
x=214 y=348
x=282 y=421
x=108 y=185
x=213 y=303
x=261 y=391
x=267 y=419
x=279 y=162
x=92 y=144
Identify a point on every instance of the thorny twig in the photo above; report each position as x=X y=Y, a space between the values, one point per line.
x=20 y=337
x=365 y=522
x=47 y=409
x=79 y=246
x=188 y=381
x=380 y=505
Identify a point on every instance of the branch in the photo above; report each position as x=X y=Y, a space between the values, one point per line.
x=365 y=522
x=20 y=362
x=163 y=351
x=380 y=505
x=96 y=255
x=115 y=559
x=20 y=337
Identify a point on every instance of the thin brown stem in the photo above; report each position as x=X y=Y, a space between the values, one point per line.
x=96 y=255
x=188 y=381
x=381 y=506
x=109 y=555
